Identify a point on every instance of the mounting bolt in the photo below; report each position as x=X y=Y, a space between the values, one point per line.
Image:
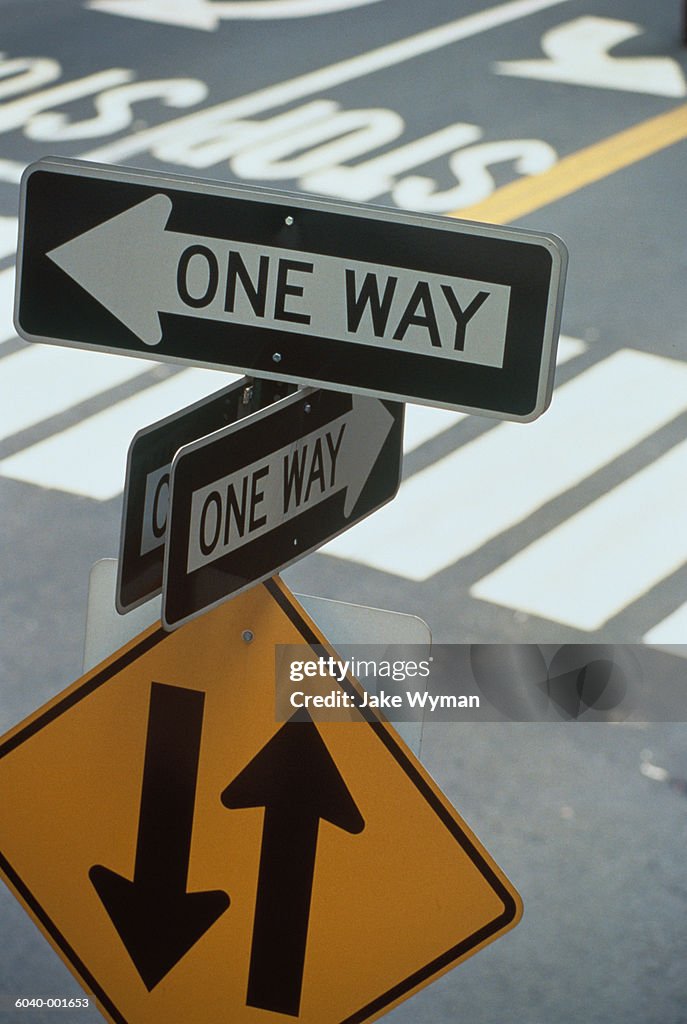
x=288 y=221
x=248 y=636
x=307 y=407
x=276 y=358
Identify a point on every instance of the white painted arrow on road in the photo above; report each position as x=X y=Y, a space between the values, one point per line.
x=578 y=53
x=208 y=14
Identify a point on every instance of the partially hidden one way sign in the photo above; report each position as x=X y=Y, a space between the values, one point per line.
x=191 y=858
x=146 y=488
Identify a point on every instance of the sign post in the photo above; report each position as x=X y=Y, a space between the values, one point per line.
x=357 y=299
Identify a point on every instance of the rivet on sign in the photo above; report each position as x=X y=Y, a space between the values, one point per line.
x=276 y=358
x=288 y=221
x=307 y=407
x=248 y=635
x=295 y=541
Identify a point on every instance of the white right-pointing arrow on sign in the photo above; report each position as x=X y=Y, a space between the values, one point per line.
x=367 y=428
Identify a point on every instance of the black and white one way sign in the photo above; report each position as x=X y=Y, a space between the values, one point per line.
x=290 y=288
x=250 y=499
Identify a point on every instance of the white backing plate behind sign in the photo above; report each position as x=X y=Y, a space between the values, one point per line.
x=346 y=625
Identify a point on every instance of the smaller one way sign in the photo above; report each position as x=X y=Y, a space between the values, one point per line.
x=252 y=498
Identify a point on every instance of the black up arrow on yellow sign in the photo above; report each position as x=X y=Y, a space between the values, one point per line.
x=192 y=858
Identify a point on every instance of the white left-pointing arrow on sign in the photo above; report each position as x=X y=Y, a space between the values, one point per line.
x=137 y=267
x=124 y=264
x=258 y=498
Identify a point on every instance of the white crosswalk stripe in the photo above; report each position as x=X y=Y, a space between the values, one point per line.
x=6 y=300
x=603 y=553
x=40 y=381
x=489 y=485
x=8 y=234
x=671 y=630
x=423 y=422
x=90 y=458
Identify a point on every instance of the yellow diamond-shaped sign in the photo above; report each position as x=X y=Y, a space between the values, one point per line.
x=193 y=859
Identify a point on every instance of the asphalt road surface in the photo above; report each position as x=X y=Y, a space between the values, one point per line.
x=565 y=116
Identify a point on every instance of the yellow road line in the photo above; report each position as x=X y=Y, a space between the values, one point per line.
x=573 y=172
